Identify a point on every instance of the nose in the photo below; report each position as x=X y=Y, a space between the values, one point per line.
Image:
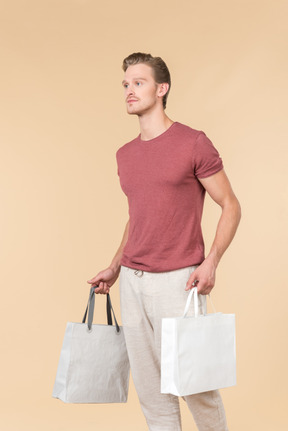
x=130 y=90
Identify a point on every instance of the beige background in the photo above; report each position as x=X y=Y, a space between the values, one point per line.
x=62 y=209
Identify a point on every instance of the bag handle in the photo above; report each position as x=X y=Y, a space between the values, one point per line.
x=90 y=310
x=196 y=301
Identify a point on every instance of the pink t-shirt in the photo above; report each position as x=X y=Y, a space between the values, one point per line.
x=160 y=180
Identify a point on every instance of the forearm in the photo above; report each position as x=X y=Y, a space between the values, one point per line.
x=115 y=264
x=220 y=190
x=226 y=229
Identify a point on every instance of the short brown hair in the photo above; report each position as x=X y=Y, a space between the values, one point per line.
x=161 y=72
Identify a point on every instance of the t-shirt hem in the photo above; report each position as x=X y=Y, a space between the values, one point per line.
x=210 y=173
x=146 y=268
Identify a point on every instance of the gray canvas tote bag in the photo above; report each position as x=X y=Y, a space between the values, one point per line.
x=93 y=365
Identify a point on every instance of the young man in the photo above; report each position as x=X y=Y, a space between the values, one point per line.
x=165 y=173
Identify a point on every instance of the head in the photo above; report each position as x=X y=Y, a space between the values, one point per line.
x=160 y=71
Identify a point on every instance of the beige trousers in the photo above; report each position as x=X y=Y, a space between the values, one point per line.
x=146 y=297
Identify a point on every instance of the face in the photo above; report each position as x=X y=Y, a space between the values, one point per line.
x=142 y=93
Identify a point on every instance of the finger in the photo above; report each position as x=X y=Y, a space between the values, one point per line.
x=192 y=282
x=93 y=280
x=201 y=285
x=103 y=288
x=101 y=292
x=204 y=288
x=207 y=291
x=106 y=288
x=201 y=290
x=97 y=289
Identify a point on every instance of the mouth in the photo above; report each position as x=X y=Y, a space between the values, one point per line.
x=132 y=100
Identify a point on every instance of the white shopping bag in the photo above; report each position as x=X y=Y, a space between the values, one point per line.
x=93 y=365
x=198 y=353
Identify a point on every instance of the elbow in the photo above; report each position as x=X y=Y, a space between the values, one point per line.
x=239 y=215
x=237 y=210
x=233 y=208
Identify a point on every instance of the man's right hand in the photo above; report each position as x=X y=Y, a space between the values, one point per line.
x=104 y=280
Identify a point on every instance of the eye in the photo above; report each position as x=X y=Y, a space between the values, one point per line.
x=125 y=85
x=138 y=83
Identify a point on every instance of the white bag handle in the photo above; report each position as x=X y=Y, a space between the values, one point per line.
x=188 y=302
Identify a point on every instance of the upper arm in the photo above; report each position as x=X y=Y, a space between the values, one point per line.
x=219 y=188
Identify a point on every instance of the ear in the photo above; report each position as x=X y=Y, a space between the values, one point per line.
x=162 y=89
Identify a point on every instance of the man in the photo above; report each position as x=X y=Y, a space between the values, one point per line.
x=165 y=172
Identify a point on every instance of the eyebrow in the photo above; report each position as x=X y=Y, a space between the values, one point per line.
x=135 y=79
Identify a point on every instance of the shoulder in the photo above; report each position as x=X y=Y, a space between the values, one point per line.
x=126 y=148
x=187 y=132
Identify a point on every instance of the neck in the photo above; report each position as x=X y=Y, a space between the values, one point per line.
x=153 y=124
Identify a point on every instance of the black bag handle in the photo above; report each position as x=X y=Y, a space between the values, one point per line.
x=90 y=310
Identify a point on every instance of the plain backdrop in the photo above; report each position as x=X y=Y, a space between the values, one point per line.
x=63 y=213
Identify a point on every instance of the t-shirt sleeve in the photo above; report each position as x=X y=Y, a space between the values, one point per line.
x=117 y=162
x=207 y=160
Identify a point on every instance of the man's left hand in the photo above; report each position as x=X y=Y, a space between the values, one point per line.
x=203 y=277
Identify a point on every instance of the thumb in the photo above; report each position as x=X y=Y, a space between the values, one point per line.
x=93 y=280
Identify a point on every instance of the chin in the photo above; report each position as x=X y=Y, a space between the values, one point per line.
x=132 y=112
